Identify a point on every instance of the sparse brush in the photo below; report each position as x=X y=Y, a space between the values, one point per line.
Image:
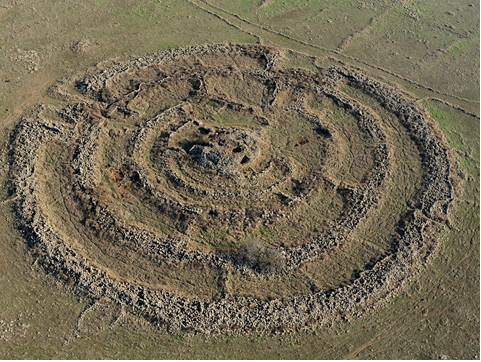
x=204 y=140
x=258 y=257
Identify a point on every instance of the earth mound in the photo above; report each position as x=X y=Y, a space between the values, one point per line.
x=212 y=190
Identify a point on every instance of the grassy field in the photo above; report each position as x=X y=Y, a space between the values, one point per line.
x=429 y=49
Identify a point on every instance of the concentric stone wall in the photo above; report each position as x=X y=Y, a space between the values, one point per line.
x=162 y=154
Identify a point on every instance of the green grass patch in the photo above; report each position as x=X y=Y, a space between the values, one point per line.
x=460 y=48
x=168 y=45
x=462 y=130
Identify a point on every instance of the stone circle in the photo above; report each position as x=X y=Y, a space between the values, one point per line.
x=166 y=183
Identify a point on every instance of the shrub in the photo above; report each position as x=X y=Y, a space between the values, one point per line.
x=258 y=257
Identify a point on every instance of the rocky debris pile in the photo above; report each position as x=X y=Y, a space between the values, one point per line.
x=26 y=61
x=81 y=47
x=231 y=314
x=227 y=150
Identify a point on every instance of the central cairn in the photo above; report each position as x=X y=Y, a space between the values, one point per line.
x=211 y=189
x=228 y=151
